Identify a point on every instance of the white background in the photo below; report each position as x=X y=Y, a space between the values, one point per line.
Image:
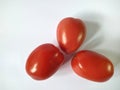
x=25 y=24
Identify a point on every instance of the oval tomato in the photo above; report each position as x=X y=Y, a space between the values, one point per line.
x=44 y=61
x=71 y=33
x=92 y=66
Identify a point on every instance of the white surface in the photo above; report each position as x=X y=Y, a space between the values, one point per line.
x=25 y=24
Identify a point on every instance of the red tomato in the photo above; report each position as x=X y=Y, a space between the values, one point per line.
x=92 y=66
x=71 y=33
x=44 y=61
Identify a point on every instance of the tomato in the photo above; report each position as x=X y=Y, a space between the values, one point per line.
x=44 y=61
x=92 y=66
x=71 y=33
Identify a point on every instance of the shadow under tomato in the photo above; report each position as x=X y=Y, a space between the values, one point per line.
x=94 y=42
x=94 y=35
x=91 y=28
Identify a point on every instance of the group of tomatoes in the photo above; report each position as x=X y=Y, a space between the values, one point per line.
x=46 y=59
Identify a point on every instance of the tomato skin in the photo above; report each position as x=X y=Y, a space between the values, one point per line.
x=92 y=66
x=44 y=61
x=71 y=33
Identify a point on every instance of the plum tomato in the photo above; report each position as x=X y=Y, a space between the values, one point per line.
x=71 y=33
x=44 y=61
x=92 y=66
